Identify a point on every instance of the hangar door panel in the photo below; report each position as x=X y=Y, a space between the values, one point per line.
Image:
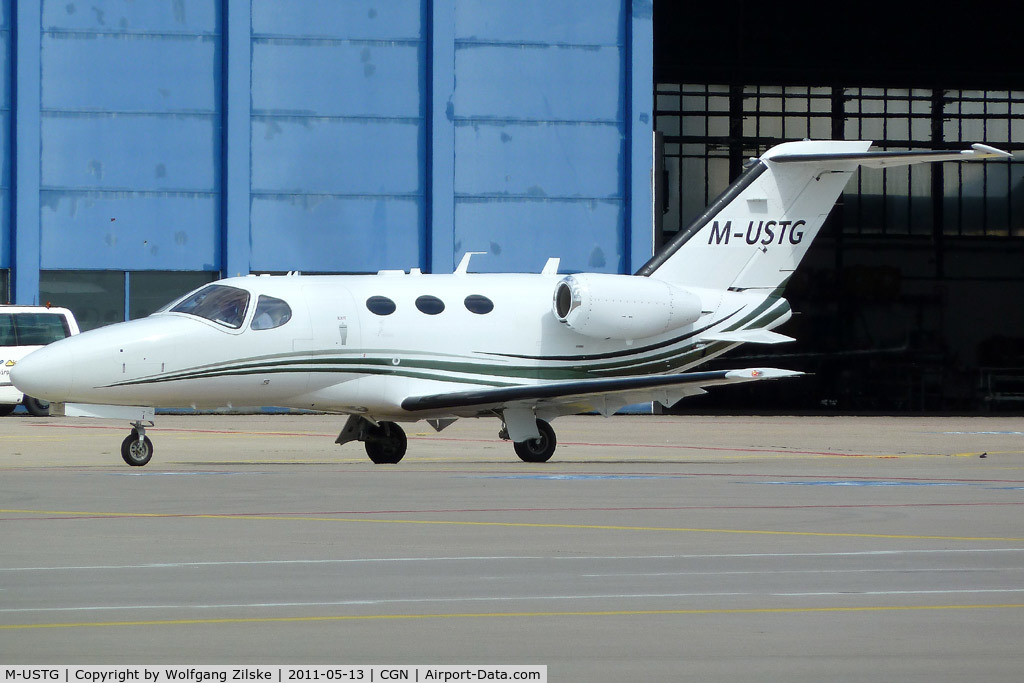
x=130 y=136
x=338 y=147
x=540 y=137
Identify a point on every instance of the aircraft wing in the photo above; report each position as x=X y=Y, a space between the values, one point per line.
x=603 y=395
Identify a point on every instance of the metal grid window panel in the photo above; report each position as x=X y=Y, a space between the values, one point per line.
x=892 y=201
x=984 y=201
x=709 y=128
x=695 y=121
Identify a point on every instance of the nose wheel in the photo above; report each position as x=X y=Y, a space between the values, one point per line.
x=137 y=449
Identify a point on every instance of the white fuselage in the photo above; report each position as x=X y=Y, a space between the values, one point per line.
x=334 y=354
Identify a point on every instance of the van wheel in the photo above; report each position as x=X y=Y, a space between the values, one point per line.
x=37 y=406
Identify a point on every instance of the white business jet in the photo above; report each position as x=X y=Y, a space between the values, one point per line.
x=401 y=347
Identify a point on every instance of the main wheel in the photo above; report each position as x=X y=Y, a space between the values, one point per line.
x=537 y=450
x=6 y=409
x=135 y=453
x=37 y=406
x=385 y=443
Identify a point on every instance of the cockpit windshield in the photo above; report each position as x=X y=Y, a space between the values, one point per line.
x=221 y=304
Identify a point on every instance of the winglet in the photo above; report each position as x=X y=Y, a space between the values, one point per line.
x=987 y=152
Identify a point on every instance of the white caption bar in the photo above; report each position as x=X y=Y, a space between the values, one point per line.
x=272 y=674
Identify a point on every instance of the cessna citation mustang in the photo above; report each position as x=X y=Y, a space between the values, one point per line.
x=397 y=347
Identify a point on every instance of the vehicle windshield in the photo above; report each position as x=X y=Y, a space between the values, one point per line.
x=32 y=329
x=221 y=304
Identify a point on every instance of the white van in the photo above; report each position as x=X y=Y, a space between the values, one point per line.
x=23 y=329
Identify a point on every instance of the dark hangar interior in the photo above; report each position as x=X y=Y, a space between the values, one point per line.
x=909 y=299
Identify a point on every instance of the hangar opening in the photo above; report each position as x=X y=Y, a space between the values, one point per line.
x=904 y=299
x=522 y=128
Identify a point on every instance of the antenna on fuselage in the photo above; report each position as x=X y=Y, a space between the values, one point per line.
x=463 y=266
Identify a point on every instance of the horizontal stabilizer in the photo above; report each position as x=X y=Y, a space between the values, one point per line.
x=588 y=392
x=884 y=159
x=747 y=336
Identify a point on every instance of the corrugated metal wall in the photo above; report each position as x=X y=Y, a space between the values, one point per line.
x=338 y=135
x=317 y=135
x=129 y=135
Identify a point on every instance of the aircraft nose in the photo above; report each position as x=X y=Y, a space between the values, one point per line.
x=45 y=373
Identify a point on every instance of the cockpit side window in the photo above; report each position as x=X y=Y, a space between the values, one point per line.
x=270 y=313
x=221 y=304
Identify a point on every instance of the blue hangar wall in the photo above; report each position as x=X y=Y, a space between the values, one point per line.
x=323 y=135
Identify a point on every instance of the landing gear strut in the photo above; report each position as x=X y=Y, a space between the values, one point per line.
x=137 y=449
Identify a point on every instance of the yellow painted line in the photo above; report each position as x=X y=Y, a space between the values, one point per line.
x=510 y=615
x=522 y=525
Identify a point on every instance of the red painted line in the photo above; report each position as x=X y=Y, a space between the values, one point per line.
x=181 y=430
x=594 y=444
x=458 y=440
x=614 y=509
x=673 y=447
x=243 y=515
x=669 y=475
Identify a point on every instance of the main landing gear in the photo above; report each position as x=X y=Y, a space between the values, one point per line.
x=385 y=442
x=137 y=449
x=538 y=450
x=534 y=450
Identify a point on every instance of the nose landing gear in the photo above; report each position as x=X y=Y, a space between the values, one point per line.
x=137 y=449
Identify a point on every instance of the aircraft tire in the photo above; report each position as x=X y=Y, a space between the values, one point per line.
x=37 y=406
x=134 y=453
x=386 y=443
x=537 y=450
x=6 y=409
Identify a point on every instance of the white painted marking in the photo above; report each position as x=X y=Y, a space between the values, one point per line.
x=918 y=592
x=392 y=601
x=893 y=570
x=382 y=601
x=503 y=558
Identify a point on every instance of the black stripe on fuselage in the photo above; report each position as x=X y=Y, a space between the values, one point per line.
x=556 y=390
x=619 y=354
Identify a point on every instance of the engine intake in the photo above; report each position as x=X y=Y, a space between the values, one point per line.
x=622 y=306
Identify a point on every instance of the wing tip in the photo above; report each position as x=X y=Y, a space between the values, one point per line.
x=762 y=373
x=987 y=151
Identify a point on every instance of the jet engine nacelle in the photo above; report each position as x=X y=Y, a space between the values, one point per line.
x=622 y=306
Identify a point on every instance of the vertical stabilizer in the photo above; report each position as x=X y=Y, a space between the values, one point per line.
x=757 y=232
